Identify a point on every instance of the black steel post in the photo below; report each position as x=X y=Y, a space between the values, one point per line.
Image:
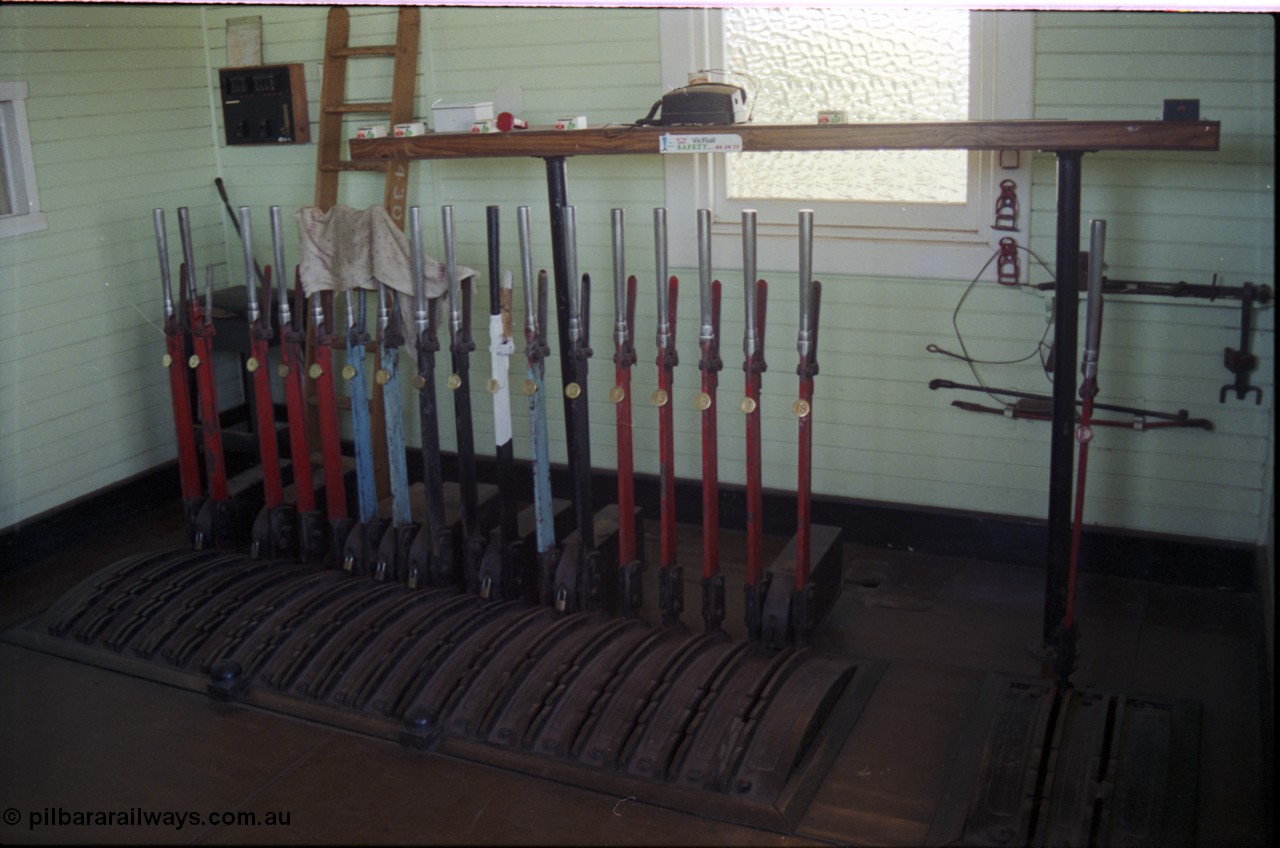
x=1062 y=444
x=558 y=199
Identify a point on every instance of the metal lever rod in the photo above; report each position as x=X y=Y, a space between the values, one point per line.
x=660 y=265
x=419 y=272
x=621 y=332
x=526 y=272
x=624 y=314
x=578 y=288
x=277 y=251
x=803 y=338
x=322 y=374
x=535 y=296
x=273 y=528
x=357 y=337
x=451 y=270
x=670 y=578
x=179 y=388
x=431 y=554
x=1093 y=308
x=577 y=579
x=389 y=377
x=188 y=263
x=755 y=295
x=706 y=331
x=570 y=226
x=803 y=407
x=311 y=532
x=250 y=269
x=210 y=530
x=710 y=365
x=750 y=341
x=238 y=225
x=460 y=349
x=162 y=248
x=504 y=557
x=1064 y=650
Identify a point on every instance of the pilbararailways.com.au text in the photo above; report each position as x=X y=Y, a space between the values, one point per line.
x=142 y=817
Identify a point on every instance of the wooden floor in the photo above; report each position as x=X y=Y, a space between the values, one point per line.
x=77 y=739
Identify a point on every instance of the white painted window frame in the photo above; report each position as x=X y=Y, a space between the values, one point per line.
x=900 y=243
x=19 y=166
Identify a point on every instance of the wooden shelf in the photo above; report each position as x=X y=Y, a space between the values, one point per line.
x=1054 y=136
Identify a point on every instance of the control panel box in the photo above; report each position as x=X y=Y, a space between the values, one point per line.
x=265 y=104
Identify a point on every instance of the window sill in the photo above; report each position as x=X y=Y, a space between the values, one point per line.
x=16 y=225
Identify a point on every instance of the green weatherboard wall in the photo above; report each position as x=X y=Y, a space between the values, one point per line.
x=123 y=118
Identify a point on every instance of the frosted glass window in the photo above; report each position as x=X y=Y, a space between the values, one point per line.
x=20 y=207
x=876 y=65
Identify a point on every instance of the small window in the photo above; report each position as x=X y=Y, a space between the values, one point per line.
x=878 y=64
x=19 y=201
x=920 y=214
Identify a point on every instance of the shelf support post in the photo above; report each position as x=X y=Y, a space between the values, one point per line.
x=1062 y=445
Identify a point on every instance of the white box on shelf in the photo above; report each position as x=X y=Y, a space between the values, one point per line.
x=458 y=117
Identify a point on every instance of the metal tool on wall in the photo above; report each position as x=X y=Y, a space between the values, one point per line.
x=755 y=299
x=1241 y=361
x=1007 y=207
x=460 y=347
x=501 y=569
x=670 y=576
x=311 y=531
x=577 y=579
x=175 y=357
x=1026 y=410
x=1036 y=408
x=1008 y=269
x=710 y=365
x=360 y=549
x=630 y=541
x=432 y=559
x=392 y=562
x=275 y=528
x=217 y=523
x=536 y=350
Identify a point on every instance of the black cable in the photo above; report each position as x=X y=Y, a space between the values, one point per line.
x=649 y=120
x=964 y=356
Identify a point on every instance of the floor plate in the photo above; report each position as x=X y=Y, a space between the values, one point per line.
x=1043 y=766
x=700 y=723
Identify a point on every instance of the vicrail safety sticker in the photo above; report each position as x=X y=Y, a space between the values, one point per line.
x=700 y=143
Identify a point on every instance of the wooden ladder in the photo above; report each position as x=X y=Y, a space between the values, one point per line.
x=330 y=165
x=334 y=106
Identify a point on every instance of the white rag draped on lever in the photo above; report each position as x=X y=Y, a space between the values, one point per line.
x=347 y=248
